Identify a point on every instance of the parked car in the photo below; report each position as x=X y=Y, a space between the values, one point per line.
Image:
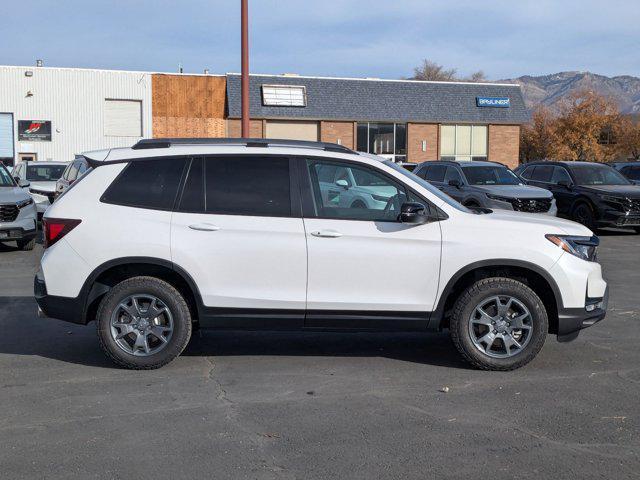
x=17 y=212
x=593 y=194
x=42 y=177
x=240 y=234
x=487 y=185
x=408 y=165
x=631 y=170
x=72 y=173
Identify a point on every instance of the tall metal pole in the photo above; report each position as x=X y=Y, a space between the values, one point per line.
x=245 y=66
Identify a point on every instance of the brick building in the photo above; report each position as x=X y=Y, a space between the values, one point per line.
x=81 y=109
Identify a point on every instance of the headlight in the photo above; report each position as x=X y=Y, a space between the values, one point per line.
x=24 y=203
x=581 y=247
x=498 y=198
x=611 y=198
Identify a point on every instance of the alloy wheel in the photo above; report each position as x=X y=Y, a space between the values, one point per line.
x=500 y=326
x=141 y=325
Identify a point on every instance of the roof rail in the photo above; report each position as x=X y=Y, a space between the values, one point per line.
x=248 y=142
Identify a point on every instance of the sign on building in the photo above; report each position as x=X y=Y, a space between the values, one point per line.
x=34 y=130
x=499 y=102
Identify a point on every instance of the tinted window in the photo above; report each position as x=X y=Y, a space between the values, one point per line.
x=377 y=198
x=597 y=174
x=147 y=184
x=435 y=173
x=452 y=174
x=560 y=175
x=526 y=173
x=193 y=194
x=631 y=172
x=491 y=175
x=248 y=186
x=542 y=173
x=44 y=173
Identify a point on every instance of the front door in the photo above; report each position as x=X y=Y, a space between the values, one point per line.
x=237 y=233
x=362 y=260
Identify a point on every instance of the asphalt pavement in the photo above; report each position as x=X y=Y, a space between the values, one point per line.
x=311 y=406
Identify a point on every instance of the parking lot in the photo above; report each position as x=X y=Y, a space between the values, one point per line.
x=276 y=405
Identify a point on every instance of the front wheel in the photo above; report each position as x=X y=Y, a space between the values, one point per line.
x=143 y=323
x=583 y=213
x=499 y=324
x=26 y=245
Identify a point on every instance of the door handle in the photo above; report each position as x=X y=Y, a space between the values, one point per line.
x=326 y=234
x=204 y=227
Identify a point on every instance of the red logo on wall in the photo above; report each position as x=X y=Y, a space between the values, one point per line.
x=34 y=130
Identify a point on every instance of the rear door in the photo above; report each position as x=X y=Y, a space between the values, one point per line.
x=238 y=231
x=362 y=260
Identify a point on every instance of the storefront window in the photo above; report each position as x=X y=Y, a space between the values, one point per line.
x=463 y=142
x=386 y=139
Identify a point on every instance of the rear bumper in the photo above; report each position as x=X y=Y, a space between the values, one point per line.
x=572 y=320
x=51 y=306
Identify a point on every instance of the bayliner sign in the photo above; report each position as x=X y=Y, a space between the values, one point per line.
x=34 y=130
x=499 y=102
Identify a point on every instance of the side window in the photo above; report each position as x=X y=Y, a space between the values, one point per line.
x=542 y=173
x=373 y=196
x=193 y=193
x=248 y=185
x=527 y=172
x=147 y=184
x=435 y=173
x=632 y=172
x=452 y=174
x=72 y=174
x=559 y=175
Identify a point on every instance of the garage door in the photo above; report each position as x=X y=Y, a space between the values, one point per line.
x=292 y=130
x=6 y=135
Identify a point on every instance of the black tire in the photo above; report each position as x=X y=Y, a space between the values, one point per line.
x=358 y=204
x=26 y=244
x=637 y=229
x=465 y=306
x=168 y=295
x=583 y=213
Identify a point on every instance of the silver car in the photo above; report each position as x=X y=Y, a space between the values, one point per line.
x=18 y=215
x=42 y=178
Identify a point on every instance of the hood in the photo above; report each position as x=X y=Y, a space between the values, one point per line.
x=49 y=186
x=551 y=224
x=515 y=191
x=630 y=191
x=13 y=194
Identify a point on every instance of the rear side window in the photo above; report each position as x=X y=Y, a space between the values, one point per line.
x=542 y=173
x=435 y=173
x=632 y=172
x=147 y=184
x=248 y=185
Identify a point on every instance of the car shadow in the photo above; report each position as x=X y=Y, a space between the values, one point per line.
x=615 y=232
x=24 y=333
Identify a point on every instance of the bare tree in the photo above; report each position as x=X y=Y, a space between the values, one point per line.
x=431 y=71
x=478 y=76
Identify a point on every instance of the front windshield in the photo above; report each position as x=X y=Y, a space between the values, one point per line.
x=490 y=175
x=598 y=175
x=44 y=172
x=5 y=177
x=442 y=196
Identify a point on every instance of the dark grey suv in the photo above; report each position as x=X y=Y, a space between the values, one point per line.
x=488 y=185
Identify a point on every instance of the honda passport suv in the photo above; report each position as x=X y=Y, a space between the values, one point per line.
x=242 y=234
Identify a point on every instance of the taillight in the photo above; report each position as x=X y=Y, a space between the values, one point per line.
x=56 y=228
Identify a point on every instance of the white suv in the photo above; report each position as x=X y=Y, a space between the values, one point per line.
x=240 y=234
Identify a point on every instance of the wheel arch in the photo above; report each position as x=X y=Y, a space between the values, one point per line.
x=110 y=273
x=530 y=274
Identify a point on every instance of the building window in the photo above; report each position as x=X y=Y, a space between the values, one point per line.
x=463 y=142
x=284 y=96
x=122 y=118
x=386 y=139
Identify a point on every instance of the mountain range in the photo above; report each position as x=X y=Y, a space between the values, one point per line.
x=550 y=90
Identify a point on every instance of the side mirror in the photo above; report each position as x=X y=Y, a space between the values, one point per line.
x=413 y=213
x=565 y=183
x=342 y=183
x=454 y=182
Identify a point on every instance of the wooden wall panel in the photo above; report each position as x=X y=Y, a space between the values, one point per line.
x=188 y=106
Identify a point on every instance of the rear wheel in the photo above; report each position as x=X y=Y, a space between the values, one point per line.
x=499 y=324
x=143 y=323
x=583 y=213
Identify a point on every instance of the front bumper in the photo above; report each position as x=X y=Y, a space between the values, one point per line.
x=51 y=306
x=499 y=204
x=616 y=218
x=10 y=234
x=572 y=320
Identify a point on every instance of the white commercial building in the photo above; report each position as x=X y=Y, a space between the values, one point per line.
x=55 y=113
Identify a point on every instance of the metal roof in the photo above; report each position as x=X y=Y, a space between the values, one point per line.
x=376 y=100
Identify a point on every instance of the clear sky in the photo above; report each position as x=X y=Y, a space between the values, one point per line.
x=372 y=38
